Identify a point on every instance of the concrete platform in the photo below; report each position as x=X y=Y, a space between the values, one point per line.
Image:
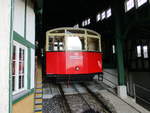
x=127 y=105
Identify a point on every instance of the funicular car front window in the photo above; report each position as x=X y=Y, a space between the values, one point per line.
x=74 y=43
x=56 y=43
x=93 y=44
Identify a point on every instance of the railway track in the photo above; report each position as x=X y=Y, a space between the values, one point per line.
x=87 y=102
x=80 y=99
x=105 y=109
x=66 y=107
x=89 y=109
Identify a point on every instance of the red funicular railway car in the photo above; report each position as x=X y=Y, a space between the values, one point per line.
x=73 y=54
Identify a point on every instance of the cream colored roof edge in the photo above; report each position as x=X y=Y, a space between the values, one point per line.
x=65 y=28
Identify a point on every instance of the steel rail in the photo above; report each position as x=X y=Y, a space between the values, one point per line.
x=64 y=98
x=82 y=97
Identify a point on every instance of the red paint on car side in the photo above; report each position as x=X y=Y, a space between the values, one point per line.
x=73 y=62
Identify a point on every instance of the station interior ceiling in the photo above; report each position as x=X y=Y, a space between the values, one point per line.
x=59 y=13
x=66 y=13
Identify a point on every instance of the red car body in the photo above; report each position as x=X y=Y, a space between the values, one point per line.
x=62 y=64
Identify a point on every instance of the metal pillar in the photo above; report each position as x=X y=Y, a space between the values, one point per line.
x=118 y=13
x=120 y=63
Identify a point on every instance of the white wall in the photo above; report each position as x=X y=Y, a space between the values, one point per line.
x=30 y=28
x=5 y=10
x=32 y=67
x=19 y=14
x=19 y=27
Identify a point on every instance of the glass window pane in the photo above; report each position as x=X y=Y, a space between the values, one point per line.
x=103 y=15
x=89 y=21
x=23 y=81
x=59 y=43
x=20 y=51
x=129 y=4
x=19 y=82
x=145 y=51
x=23 y=54
x=20 y=67
x=14 y=52
x=13 y=83
x=83 y=24
x=98 y=17
x=141 y=2
x=93 y=44
x=108 y=13
x=14 y=68
x=139 y=51
x=75 y=43
x=113 y=49
x=50 y=44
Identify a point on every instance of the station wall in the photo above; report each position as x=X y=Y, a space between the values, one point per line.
x=24 y=50
x=19 y=14
x=30 y=23
x=139 y=87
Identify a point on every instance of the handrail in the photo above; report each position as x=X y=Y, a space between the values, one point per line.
x=142 y=88
x=143 y=100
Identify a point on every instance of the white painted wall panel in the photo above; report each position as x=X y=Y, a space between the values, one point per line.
x=32 y=67
x=5 y=11
x=30 y=28
x=19 y=14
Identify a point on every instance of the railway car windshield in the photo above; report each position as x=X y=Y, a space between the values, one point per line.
x=72 y=39
x=75 y=43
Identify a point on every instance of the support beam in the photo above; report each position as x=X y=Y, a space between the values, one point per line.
x=5 y=55
x=118 y=16
x=120 y=63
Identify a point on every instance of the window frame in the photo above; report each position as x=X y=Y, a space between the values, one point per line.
x=84 y=34
x=98 y=17
x=99 y=44
x=107 y=12
x=137 y=3
x=17 y=89
x=103 y=16
x=134 y=4
x=88 y=21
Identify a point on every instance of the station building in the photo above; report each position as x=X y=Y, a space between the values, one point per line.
x=123 y=24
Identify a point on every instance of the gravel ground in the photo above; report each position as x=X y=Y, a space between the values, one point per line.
x=77 y=105
x=53 y=105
